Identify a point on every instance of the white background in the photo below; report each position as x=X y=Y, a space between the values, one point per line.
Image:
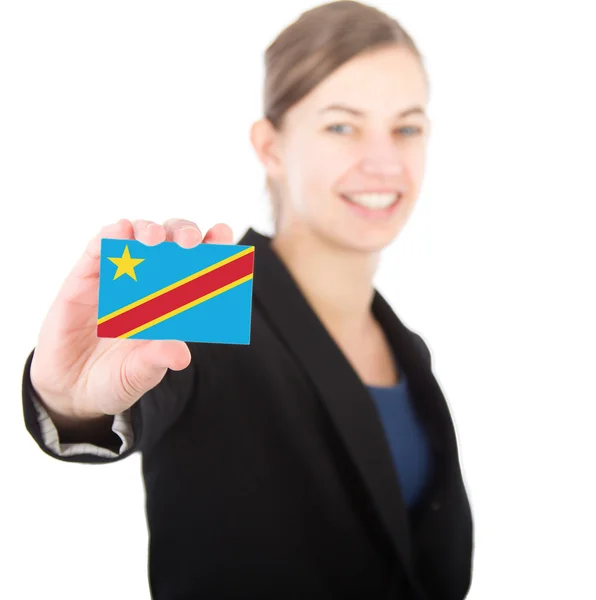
x=142 y=110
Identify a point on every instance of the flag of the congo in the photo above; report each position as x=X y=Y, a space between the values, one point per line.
x=200 y=294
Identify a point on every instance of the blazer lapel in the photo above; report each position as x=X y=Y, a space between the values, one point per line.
x=341 y=390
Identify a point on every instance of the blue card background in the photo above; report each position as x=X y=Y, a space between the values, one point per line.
x=222 y=319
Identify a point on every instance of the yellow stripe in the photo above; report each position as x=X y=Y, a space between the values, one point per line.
x=217 y=265
x=186 y=307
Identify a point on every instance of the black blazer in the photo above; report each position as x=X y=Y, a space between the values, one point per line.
x=268 y=474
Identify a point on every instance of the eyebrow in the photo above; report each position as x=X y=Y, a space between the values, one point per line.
x=359 y=113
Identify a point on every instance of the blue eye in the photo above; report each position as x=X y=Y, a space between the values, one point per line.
x=416 y=130
x=330 y=128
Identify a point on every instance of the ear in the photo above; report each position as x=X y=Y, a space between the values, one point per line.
x=265 y=140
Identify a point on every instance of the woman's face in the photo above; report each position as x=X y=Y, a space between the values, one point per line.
x=357 y=139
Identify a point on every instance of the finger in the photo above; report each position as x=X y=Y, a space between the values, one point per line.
x=221 y=233
x=148 y=232
x=185 y=233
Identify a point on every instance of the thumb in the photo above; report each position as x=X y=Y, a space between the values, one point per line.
x=145 y=366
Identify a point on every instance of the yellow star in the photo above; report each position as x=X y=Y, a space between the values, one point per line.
x=126 y=264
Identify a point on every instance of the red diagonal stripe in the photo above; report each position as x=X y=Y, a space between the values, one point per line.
x=161 y=305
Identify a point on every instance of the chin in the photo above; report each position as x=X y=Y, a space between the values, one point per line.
x=362 y=241
x=373 y=243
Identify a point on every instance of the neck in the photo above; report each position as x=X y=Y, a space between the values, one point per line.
x=336 y=281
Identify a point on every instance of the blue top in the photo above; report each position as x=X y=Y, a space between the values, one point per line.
x=406 y=437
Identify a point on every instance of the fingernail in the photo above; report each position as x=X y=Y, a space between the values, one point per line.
x=189 y=227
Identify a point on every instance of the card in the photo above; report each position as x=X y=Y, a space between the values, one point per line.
x=200 y=294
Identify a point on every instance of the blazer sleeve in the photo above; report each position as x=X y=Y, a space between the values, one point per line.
x=121 y=426
x=138 y=428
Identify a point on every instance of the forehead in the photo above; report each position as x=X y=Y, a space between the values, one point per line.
x=386 y=79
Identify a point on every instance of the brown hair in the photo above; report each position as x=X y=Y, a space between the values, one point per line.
x=312 y=47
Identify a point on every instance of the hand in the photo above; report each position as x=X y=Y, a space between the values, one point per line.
x=80 y=377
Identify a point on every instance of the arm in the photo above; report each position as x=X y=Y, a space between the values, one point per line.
x=116 y=437
x=110 y=443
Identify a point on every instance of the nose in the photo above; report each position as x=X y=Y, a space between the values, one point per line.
x=382 y=158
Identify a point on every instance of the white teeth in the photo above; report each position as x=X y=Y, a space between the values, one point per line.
x=373 y=200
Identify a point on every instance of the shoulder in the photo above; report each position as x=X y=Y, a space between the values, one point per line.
x=422 y=347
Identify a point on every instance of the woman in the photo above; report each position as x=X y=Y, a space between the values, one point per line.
x=282 y=469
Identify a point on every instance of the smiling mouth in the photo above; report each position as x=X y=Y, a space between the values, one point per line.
x=375 y=202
